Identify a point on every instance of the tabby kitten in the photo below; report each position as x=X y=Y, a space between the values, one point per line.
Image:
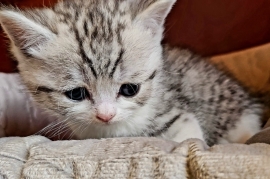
x=100 y=65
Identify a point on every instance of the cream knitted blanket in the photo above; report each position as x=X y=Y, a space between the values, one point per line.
x=38 y=158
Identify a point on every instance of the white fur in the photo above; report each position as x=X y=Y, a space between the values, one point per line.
x=153 y=18
x=186 y=127
x=246 y=127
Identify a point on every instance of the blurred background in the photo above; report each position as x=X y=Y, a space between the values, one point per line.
x=234 y=34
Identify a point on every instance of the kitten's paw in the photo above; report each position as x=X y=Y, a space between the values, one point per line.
x=248 y=125
x=186 y=127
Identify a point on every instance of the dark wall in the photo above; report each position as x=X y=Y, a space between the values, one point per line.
x=218 y=26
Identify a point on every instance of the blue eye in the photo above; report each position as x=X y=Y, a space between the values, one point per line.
x=77 y=94
x=129 y=90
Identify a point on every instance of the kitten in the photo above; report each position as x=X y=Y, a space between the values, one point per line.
x=100 y=66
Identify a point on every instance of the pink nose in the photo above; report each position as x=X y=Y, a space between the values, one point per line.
x=105 y=112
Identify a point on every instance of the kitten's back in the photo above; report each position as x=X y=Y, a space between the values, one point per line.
x=219 y=101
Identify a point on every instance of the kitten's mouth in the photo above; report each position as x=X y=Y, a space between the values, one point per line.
x=113 y=121
x=105 y=123
x=105 y=118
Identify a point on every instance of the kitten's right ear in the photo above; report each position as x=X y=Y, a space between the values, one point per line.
x=152 y=13
x=24 y=32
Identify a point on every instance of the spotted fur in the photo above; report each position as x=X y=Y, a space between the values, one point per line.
x=102 y=44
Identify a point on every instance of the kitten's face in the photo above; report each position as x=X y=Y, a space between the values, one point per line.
x=94 y=62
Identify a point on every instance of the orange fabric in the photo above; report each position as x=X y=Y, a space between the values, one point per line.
x=251 y=67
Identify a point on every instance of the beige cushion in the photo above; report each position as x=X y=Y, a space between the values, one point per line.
x=39 y=158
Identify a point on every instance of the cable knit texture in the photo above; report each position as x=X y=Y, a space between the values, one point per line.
x=37 y=157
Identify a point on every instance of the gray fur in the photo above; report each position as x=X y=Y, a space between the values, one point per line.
x=100 y=44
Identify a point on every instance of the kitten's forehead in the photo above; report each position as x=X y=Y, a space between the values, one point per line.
x=96 y=28
x=102 y=35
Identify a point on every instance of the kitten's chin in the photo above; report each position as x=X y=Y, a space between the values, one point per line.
x=98 y=130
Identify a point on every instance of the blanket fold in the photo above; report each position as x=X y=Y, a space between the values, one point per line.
x=38 y=157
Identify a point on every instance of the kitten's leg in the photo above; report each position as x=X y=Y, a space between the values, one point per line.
x=186 y=127
x=248 y=125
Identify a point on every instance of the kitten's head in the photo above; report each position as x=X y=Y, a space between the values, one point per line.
x=90 y=60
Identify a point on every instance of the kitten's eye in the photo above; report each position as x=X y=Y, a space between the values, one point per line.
x=129 y=90
x=77 y=94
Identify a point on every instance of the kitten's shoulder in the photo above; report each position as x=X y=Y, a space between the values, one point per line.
x=176 y=53
x=176 y=58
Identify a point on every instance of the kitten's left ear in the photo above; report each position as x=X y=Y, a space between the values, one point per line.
x=154 y=12
x=25 y=33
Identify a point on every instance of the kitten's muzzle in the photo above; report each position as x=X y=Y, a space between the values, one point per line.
x=105 y=112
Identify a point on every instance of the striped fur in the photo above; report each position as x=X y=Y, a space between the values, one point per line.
x=102 y=44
